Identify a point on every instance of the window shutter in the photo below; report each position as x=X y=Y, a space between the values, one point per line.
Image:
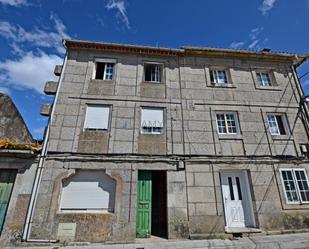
x=97 y=117
x=88 y=190
x=152 y=118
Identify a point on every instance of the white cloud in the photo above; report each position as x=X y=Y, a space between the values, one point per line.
x=30 y=71
x=120 y=7
x=253 y=44
x=253 y=40
x=237 y=44
x=5 y=90
x=15 y=3
x=37 y=37
x=255 y=32
x=267 y=5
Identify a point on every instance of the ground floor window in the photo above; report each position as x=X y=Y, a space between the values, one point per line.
x=295 y=185
x=88 y=190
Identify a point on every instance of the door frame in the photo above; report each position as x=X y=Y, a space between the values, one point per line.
x=248 y=193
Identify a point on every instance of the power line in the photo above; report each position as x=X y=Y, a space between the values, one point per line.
x=304 y=75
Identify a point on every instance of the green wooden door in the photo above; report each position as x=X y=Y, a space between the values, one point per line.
x=7 y=178
x=143 y=216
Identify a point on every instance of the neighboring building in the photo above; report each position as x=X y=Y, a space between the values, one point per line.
x=176 y=143
x=18 y=162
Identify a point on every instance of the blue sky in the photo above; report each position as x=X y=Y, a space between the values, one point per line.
x=31 y=32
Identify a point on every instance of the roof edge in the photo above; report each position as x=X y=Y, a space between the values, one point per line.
x=296 y=59
x=121 y=47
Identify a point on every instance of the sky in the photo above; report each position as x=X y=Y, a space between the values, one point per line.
x=31 y=33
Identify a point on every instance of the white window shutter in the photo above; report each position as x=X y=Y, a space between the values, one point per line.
x=88 y=190
x=97 y=117
x=152 y=117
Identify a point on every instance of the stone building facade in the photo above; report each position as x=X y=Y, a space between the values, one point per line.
x=175 y=143
x=18 y=164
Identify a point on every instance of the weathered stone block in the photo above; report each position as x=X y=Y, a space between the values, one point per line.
x=45 y=109
x=50 y=87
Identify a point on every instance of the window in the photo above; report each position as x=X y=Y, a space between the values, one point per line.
x=277 y=124
x=88 y=190
x=218 y=76
x=153 y=73
x=97 y=117
x=295 y=184
x=152 y=121
x=227 y=123
x=104 y=70
x=263 y=79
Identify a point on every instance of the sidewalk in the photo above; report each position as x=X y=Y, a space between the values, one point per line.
x=287 y=241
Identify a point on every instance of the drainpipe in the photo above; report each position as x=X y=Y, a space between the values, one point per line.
x=39 y=171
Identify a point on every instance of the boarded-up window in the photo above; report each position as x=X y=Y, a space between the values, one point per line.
x=97 y=118
x=152 y=120
x=88 y=190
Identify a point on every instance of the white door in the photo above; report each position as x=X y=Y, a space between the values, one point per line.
x=237 y=199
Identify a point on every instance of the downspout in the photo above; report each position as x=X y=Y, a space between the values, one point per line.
x=39 y=171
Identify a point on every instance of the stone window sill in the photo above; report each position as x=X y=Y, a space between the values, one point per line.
x=102 y=81
x=62 y=212
x=152 y=82
x=281 y=137
x=216 y=85
x=95 y=130
x=230 y=136
x=242 y=230
x=268 y=88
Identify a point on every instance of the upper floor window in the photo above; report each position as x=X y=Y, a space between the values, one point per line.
x=218 y=77
x=295 y=184
x=227 y=123
x=153 y=72
x=152 y=120
x=97 y=118
x=104 y=69
x=263 y=78
x=277 y=124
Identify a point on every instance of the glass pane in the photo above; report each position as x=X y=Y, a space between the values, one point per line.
x=231 y=123
x=302 y=185
x=272 y=123
x=221 y=123
x=231 y=188
x=238 y=189
x=109 y=71
x=289 y=186
x=221 y=77
x=259 y=78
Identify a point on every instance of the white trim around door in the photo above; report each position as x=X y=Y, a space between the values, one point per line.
x=237 y=199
